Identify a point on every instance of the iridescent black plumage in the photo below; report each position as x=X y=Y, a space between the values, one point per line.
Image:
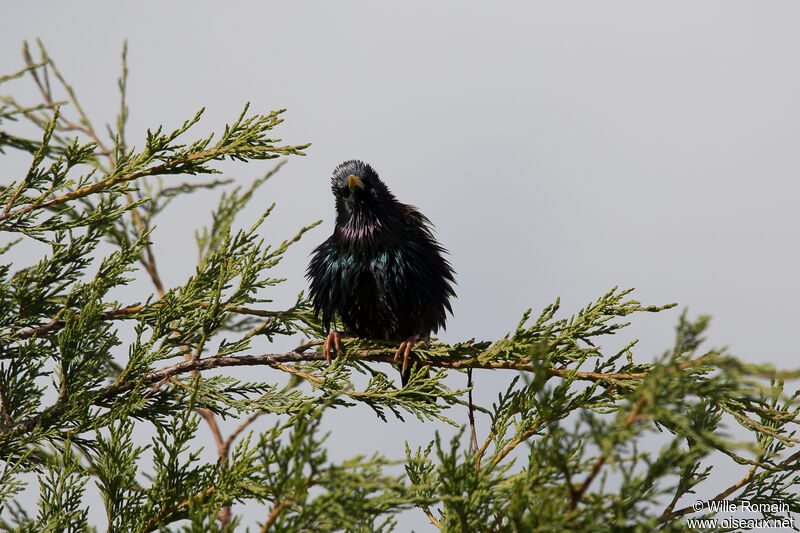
x=381 y=273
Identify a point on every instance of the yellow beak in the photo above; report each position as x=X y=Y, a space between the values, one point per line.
x=353 y=181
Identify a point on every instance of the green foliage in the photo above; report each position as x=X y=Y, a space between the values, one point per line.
x=580 y=438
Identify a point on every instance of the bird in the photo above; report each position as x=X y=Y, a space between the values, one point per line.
x=381 y=273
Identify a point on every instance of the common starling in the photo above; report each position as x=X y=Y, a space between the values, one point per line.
x=381 y=273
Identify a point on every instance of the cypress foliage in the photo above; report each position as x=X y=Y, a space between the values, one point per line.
x=567 y=446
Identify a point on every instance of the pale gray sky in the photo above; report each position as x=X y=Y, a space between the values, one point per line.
x=560 y=148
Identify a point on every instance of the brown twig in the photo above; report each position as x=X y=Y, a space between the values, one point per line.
x=14 y=195
x=296 y=372
x=276 y=510
x=57 y=323
x=6 y=420
x=525 y=435
x=671 y=515
x=154 y=388
x=238 y=431
x=759 y=427
x=209 y=417
x=677 y=495
x=472 y=413
x=305 y=346
x=432 y=518
x=164 y=512
x=483 y=448
x=601 y=459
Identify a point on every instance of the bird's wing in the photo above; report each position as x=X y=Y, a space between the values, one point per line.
x=417 y=220
x=434 y=271
x=324 y=280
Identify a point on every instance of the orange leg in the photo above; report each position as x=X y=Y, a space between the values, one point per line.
x=405 y=350
x=334 y=337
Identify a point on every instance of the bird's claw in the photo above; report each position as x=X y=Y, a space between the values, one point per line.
x=334 y=337
x=405 y=350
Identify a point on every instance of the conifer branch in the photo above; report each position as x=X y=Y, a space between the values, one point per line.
x=280 y=360
x=170 y=167
x=132 y=312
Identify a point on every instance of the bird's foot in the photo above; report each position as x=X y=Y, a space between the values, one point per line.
x=334 y=337
x=405 y=351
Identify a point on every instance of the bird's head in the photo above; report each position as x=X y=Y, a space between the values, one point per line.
x=360 y=194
